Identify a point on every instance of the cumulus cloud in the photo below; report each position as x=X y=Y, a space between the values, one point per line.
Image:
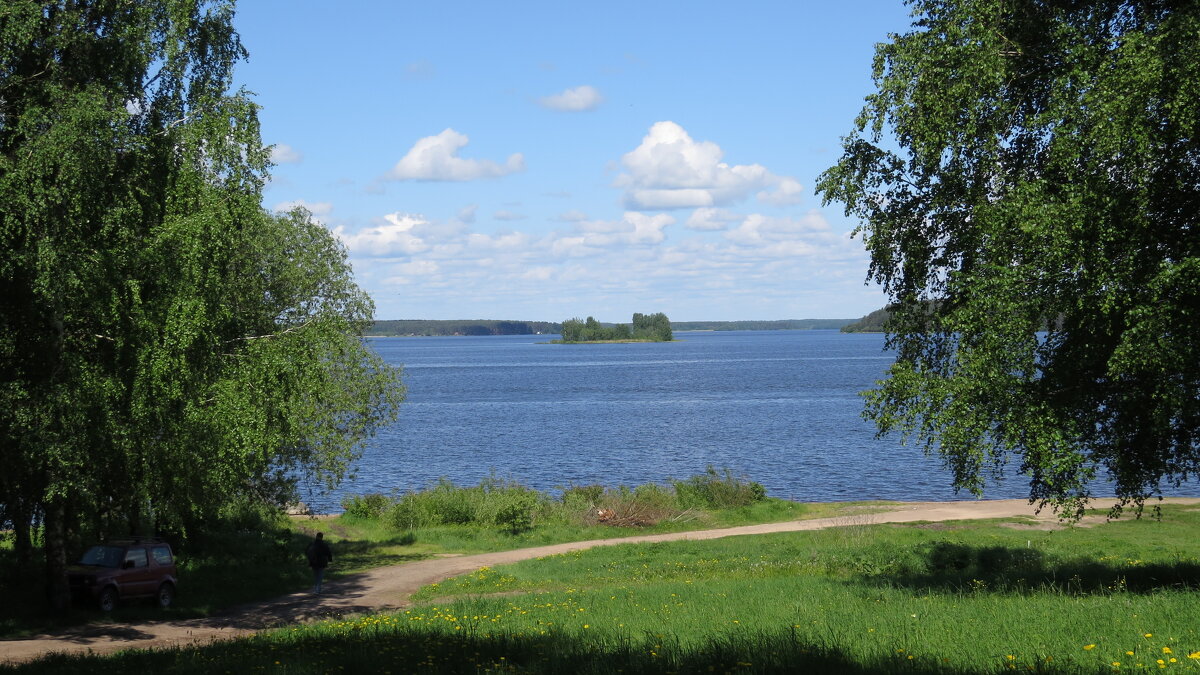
x=723 y=264
x=435 y=158
x=578 y=99
x=787 y=191
x=670 y=170
x=709 y=218
x=282 y=153
x=403 y=234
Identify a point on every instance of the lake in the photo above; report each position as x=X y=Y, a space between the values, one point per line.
x=778 y=407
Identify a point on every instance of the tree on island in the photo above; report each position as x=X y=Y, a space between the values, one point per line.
x=645 y=327
x=170 y=353
x=1026 y=160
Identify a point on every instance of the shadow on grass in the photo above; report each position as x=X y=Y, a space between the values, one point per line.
x=218 y=575
x=408 y=650
x=952 y=566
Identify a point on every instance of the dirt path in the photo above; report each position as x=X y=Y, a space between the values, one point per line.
x=388 y=588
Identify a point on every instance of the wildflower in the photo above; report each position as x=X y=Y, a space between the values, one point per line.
x=1088 y=648
x=1128 y=653
x=1148 y=635
x=1166 y=650
x=1194 y=655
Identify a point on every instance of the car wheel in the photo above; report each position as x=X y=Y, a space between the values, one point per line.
x=166 y=595
x=107 y=599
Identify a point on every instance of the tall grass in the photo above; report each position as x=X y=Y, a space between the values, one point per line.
x=510 y=506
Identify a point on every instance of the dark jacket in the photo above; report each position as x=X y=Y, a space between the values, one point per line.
x=319 y=554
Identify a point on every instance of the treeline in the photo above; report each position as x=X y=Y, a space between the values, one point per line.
x=877 y=321
x=871 y=323
x=649 y=327
x=785 y=324
x=411 y=327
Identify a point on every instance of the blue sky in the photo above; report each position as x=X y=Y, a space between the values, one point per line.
x=539 y=161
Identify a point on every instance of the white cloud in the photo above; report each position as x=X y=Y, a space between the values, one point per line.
x=756 y=265
x=409 y=272
x=708 y=218
x=578 y=99
x=399 y=235
x=467 y=213
x=572 y=216
x=787 y=192
x=670 y=170
x=434 y=158
x=281 y=153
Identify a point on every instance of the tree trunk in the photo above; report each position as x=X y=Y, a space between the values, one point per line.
x=58 y=589
x=22 y=539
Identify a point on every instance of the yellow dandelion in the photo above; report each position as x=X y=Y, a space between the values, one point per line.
x=1194 y=655
x=1088 y=648
x=1148 y=635
x=1166 y=650
x=1128 y=653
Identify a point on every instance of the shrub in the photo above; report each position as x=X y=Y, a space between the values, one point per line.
x=717 y=490
x=516 y=512
x=369 y=506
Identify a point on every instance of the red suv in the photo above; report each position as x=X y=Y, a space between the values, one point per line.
x=125 y=568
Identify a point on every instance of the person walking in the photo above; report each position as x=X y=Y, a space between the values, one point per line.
x=319 y=556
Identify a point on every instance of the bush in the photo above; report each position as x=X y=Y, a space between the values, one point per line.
x=717 y=490
x=369 y=507
x=516 y=513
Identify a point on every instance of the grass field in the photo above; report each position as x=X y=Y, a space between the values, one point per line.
x=967 y=597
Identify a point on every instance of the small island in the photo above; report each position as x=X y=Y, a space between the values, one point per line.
x=645 y=328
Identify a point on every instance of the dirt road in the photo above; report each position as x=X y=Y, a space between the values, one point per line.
x=389 y=588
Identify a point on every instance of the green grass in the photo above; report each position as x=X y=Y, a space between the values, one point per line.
x=968 y=597
x=259 y=557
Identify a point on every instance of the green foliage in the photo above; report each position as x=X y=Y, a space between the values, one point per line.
x=650 y=328
x=875 y=322
x=517 y=509
x=493 y=502
x=717 y=490
x=1026 y=163
x=166 y=347
x=370 y=507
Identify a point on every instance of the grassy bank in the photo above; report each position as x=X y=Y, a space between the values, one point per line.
x=967 y=597
x=259 y=556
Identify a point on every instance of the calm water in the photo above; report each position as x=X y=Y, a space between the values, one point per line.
x=779 y=407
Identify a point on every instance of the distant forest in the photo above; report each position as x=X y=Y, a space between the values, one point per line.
x=785 y=324
x=871 y=323
x=415 y=327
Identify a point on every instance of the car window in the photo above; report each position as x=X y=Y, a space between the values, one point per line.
x=138 y=556
x=162 y=554
x=102 y=556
